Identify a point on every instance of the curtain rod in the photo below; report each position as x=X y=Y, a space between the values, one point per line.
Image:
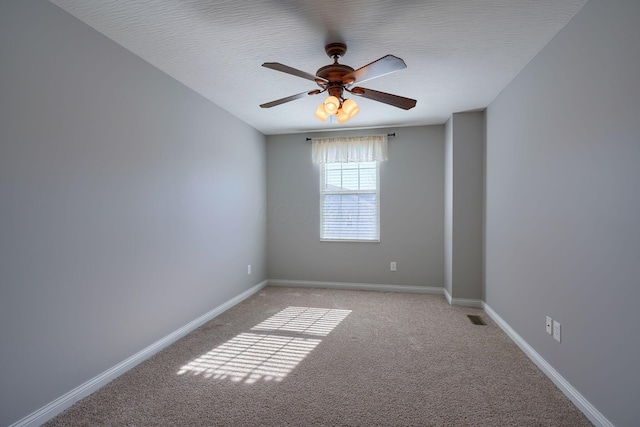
x=389 y=134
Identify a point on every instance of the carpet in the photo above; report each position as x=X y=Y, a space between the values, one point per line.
x=320 y=357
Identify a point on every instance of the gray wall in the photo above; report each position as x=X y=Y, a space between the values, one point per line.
x=411 y=210
x=464 y=188
x=129 y=205
x=563 y=205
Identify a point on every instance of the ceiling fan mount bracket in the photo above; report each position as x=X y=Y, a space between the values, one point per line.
x=335 y=50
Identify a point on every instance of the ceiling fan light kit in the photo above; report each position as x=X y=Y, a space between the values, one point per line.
x=343 y=109
x=337 y=78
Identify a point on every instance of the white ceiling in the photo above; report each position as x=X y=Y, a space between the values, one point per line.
x=460 y=53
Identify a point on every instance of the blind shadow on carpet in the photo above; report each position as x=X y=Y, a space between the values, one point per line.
x=263 y=355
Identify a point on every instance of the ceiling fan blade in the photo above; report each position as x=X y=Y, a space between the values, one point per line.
x=289 y=98
x=385 y=65
x=290 y=70
x=387 y=98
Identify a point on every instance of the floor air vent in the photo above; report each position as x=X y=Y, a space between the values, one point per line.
x=476 y=320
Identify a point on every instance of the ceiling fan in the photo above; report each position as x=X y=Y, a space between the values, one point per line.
x=337 y=78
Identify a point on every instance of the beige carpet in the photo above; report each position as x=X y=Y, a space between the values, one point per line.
x=302 y=357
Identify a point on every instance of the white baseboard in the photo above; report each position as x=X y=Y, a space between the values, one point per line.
x=574 y=395
x=357 y=286
x=464 y=302
x=49 y=411
x=447 y=295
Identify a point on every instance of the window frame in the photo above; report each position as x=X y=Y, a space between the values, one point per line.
x=323 y=193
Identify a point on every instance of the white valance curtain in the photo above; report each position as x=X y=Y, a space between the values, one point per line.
x=349 y=149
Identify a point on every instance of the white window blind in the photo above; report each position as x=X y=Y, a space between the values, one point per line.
x=350 y=201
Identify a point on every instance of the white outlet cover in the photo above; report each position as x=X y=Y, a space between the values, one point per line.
x=549 y=331
x=393 y=266
x=556 y=331
x=249 y=269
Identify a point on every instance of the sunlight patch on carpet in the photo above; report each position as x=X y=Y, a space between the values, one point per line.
x=254 y=356
x=305 y=320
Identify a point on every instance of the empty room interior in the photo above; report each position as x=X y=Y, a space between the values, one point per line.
x=161 y=185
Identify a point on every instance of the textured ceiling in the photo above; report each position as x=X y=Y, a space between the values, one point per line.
x=460 y=53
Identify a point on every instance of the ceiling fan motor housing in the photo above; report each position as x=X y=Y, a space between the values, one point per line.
x=333 y=73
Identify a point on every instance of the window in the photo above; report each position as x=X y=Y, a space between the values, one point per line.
x=350 y=186
x=350 y=201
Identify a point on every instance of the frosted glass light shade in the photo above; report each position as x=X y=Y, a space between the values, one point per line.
x=321 y=114
x=342 y=116
x=331 y=105
x=351 y=108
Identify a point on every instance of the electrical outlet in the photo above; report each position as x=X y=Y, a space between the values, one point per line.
x=556 y=331
x=394 y=266
x=549 y=331
x=249 y=269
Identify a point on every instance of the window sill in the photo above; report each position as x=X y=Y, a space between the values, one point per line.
x=350 y=241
